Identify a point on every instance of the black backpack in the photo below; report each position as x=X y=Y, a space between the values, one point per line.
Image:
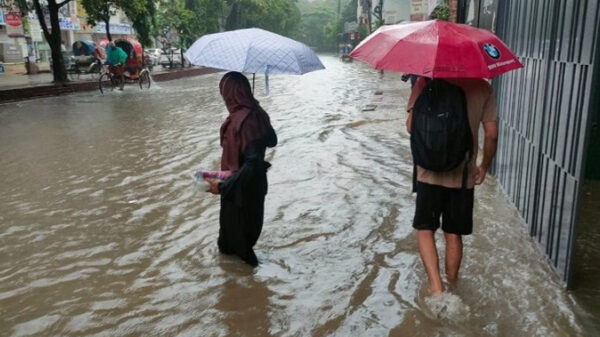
x=441 y=137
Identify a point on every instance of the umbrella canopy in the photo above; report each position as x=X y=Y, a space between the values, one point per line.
x=127 y=44
x=83 y=47
x=253 y=50
x=437 y=49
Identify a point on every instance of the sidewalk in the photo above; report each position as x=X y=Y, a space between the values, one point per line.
x=15 y=86
x=14 y=76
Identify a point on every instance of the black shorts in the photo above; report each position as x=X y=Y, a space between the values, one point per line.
x=454 y=205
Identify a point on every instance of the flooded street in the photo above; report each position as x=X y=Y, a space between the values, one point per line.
x=103 y=233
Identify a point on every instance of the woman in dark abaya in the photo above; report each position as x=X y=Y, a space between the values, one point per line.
x=245 y=135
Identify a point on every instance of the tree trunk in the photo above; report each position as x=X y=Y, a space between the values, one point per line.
x=182 y=58
x=108 y=36
x=53 y=37
x=55 y=43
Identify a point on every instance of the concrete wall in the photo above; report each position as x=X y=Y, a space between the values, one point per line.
x=395 y=11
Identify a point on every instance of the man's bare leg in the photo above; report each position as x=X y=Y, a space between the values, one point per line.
x=122 y=71
x=454 y=249
x=429 y=255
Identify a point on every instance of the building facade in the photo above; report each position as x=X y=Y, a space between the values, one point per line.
x=395 y=11
x=13 y=43
x=120 y=26
x=19 y=39
x=548 y=114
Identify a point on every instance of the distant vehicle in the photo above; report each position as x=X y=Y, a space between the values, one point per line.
x=171 y=58
x=68 y=60
x=86 y=60
x=152 y=55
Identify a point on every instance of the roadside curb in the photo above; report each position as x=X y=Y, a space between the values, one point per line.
x=19 y=94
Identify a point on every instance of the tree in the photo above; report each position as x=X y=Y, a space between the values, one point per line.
x=321 y=24
x=142 y=14
x=278 y=16
x=314 y=28
x=441 y=12
x=173 y=19
x=100 y=11
x=182 y=22
x=52 y=35
x=203 y=18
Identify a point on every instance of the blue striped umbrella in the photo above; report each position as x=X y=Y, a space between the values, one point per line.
x=253 y=50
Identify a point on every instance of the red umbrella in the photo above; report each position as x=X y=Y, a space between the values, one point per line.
x=437 y=49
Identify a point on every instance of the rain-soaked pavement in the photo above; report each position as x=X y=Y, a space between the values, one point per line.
x=103 y=233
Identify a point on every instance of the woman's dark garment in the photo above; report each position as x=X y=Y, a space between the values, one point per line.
x=245 y=134
x=242 y=202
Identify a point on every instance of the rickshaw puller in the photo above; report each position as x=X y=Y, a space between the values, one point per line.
x=116 y=58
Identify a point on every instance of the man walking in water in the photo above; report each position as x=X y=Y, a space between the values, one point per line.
x=450 y=194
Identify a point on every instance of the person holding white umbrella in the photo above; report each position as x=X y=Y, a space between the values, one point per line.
x=253 y=50
x=245 y=135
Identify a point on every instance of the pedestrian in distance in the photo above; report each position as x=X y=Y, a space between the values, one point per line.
x=245 y=135
x=444 y=116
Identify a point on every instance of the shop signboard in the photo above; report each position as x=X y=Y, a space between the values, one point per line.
x=2 y=17
x=13 y=31
x=68 y=23
x=418 y=10
x=35 y=30
x=13 y=19
x=14 y=24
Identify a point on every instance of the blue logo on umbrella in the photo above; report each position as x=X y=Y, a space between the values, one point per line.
x=491 y=50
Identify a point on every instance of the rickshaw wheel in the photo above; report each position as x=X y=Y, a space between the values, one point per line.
x=74 y=75
x=144 y=79
x=94 y=70
x=106 y=82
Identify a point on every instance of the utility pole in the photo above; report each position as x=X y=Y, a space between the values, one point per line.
x=378 y=13
x=339 y=18
x=369 y=23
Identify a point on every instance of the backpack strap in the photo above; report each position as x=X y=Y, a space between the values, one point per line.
x=466 y=169
x=465 y=175
x=469 y=138
x=414 y=188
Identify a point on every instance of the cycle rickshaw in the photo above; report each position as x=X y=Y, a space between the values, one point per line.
x=86 y=59
x=134 y=69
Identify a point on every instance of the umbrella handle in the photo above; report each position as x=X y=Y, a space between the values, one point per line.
x=253 y=77
x=267 y=80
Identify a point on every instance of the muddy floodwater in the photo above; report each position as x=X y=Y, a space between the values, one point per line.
x=103 y=232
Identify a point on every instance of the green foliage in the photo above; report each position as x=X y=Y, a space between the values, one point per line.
x=441 y=12
x=320 y=23
x=278 y=16
x=182 y=22
x=349 y=11
x=142 y=14
x=317 y=28
x=99 y=10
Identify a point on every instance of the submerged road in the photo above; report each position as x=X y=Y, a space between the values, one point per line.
x=103 y=233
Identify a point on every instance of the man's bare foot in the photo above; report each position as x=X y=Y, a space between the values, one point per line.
x=435 y=291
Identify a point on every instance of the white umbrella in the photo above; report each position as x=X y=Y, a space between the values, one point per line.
x=254 y=51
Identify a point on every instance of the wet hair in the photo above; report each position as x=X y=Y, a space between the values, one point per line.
x=236 y=92
x=238 y=79
x=112 y=44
